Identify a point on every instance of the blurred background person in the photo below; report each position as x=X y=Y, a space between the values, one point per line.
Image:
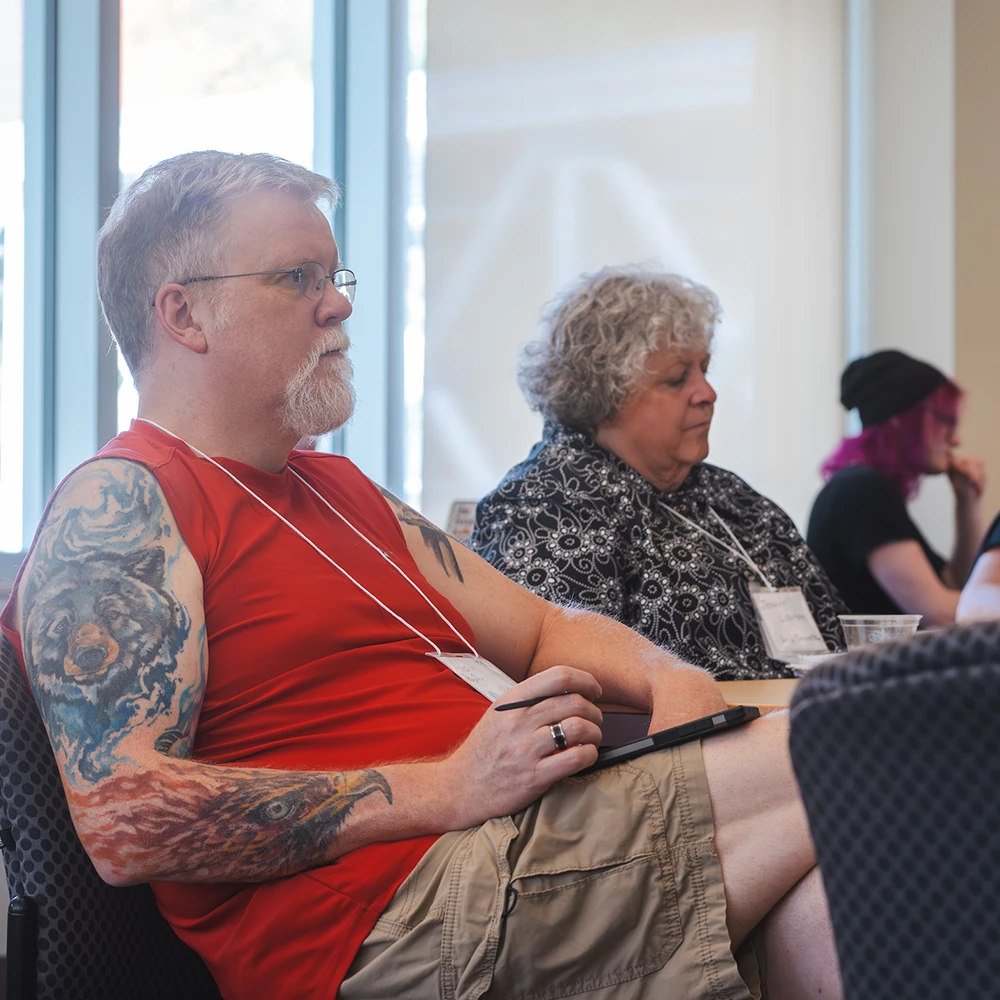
x=981 y=594
x=616 y=510
x=860 y=528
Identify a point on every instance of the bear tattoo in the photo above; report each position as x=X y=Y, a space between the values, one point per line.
x=103 y=633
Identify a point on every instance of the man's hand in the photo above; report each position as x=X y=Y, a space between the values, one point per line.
x=510 y=758
x=968 y=477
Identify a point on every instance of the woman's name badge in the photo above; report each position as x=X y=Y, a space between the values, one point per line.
x=487 y=678
x=786 y=622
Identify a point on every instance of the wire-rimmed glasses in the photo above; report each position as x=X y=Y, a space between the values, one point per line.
x=310 y=276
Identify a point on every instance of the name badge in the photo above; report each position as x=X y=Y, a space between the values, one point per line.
x=487 y=678
x=786 y=622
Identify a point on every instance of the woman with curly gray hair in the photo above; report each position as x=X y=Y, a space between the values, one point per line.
x=616 y=509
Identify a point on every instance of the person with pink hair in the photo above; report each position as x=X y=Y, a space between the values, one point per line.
x=860 y=528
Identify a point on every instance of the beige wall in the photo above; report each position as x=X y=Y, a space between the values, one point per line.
x=912 y=205
x=912 y=215
x=935 y=211
x=977 y=229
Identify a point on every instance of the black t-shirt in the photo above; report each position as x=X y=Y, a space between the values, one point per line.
x=856 y=512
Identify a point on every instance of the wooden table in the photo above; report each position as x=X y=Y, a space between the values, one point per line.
x=623 y=723
x=768 y=696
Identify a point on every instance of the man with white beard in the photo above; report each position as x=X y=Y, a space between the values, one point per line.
x=268 y=685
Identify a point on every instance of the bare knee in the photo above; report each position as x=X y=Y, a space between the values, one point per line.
x=761 y=831
x=798 y=944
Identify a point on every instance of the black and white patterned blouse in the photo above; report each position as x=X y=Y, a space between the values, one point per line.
x=577 y=525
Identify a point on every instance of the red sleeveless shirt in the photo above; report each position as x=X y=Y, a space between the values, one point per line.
x=305 y=672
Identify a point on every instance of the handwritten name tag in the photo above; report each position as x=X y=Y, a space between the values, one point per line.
x=786 y=622
x=487 y=678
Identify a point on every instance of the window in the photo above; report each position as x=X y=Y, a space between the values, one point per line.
x=11 y=274
x=240 y=80
x=706 y=138
x=416 y=214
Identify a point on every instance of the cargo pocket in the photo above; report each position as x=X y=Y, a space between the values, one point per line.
x=592 y=900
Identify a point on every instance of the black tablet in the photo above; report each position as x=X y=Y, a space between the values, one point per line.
x=684 y=733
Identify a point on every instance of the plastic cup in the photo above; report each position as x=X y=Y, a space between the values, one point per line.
x=860 y=630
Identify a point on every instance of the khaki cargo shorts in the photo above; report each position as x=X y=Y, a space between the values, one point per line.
x=608 y=886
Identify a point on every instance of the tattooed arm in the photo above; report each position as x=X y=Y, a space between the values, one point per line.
x=525 y=635
x=113 y=629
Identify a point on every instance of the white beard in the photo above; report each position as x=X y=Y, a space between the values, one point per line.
x=317 y=401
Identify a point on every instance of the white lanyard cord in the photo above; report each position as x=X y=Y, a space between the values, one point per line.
x=739 y=545
x=739 y=552
x=385 y=556
x=430 y=642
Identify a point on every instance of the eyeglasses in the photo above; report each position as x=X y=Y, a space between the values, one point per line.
x=310 y=276
x=949 y=420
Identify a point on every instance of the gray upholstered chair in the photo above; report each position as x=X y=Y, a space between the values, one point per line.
x=71 y=935
x=897 y=752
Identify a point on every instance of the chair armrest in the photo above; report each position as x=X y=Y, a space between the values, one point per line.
x=22 y=948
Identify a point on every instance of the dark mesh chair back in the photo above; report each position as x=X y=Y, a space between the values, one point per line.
x=897 y=751
x=93 y=940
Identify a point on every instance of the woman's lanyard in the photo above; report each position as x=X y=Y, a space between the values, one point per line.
x=786 y=621
x=739 y=552
x=430 y=642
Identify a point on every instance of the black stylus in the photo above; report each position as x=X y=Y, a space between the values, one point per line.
x=523 y=704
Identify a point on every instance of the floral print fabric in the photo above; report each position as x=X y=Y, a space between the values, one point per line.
x=579 y=527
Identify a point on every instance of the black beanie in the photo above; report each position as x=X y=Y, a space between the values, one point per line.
x=885 y=384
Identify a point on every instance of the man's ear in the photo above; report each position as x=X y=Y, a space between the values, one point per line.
x=175 y=314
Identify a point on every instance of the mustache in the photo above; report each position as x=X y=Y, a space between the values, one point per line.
x=339 y=343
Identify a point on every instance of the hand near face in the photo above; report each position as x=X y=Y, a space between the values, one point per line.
x=967 y=476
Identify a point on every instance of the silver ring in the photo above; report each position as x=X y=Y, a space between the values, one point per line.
x=558 y=736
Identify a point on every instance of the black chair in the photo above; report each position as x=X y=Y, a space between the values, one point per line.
x=896 y=748
x=71 y=935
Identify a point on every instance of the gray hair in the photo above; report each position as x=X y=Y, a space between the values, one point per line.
x=169 y=224
x=599 y=335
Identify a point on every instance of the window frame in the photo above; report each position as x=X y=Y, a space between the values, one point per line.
x=71 y=128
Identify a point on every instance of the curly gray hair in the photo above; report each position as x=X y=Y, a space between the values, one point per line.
x=599 y=335
x=169 y=224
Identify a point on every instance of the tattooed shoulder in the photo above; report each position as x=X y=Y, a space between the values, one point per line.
x=101 y=624
x=437 y=541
